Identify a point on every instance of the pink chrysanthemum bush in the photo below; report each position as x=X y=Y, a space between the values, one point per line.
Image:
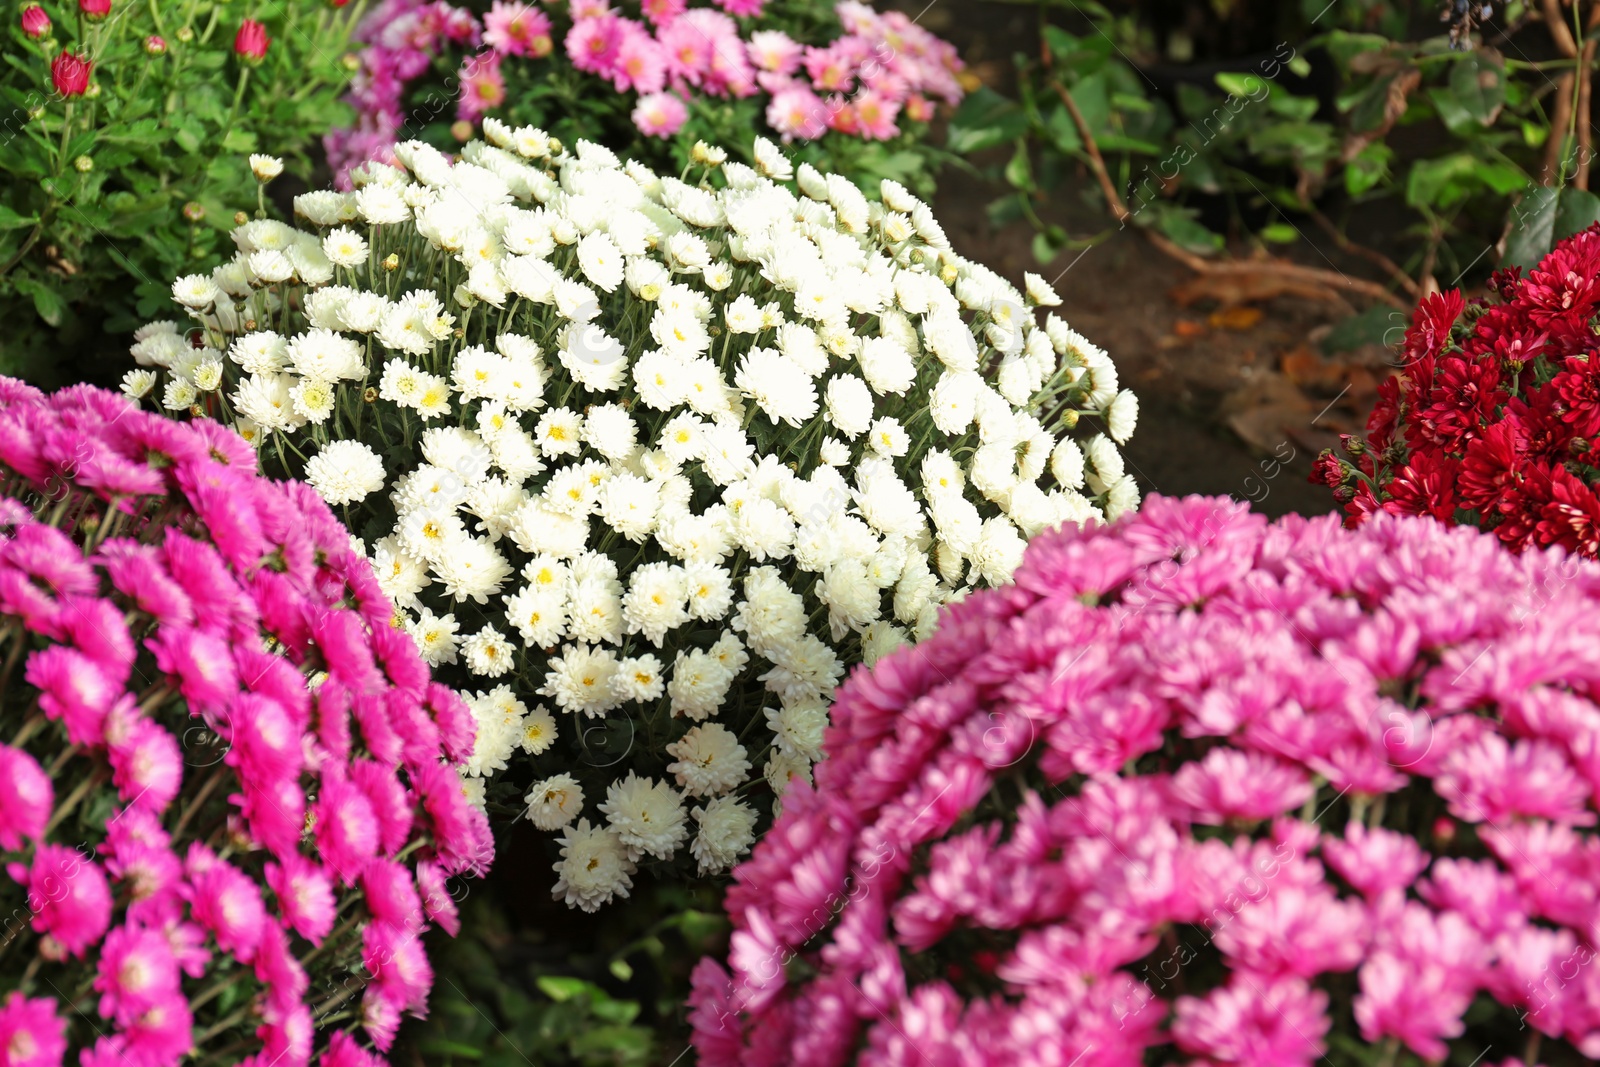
x=852 y=87
x=1197 y=789
x=228 y=809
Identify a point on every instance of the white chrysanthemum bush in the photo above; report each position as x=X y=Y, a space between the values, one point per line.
x=647 y=463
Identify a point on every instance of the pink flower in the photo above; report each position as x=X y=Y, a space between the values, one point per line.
x=69 y=898
x=137 y=972
x=74 y=690
x=147 y=766
x=35 y=23
x=1233 y=785
x=1375 y=861
x=798 y=113
x=593 y=43
x=391 y=895
x=660 y=114
x=776 y=51
x=640 y=64
x=395 y=958
x=26 y=798
x=31 y=1033
x=662 y=12
x=1280 y=1022
x=346 y=829
x=517 y=29
x=304 y=896
x=875 y=115
x=1413 y=1000
x=226 y=902
x=342 y=1051
x=436 y=898
x=742 y=8
x=1490 y=780
x=483 y=87
x=162 y=1035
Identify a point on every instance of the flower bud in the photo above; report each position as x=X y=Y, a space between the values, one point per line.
x=240 y=218
x=461 y=130
x=185 y=34
x=351 y=62
x=35 y=23
x=155 y=45
x=94 y=10
x=250 y=43
x=83 y=164
x=391 y=262
x=69 y=72
x=194 y=211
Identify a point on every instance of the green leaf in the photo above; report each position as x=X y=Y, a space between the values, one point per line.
x=239 y=141
x=985 y=119
x=561 y=988
x=1280 y=233
x=1452 y=112
x=1533 y=222
x=46 y=301
x=1368 y=168
x=1179 y=225
x=1018 y=172
x=1478 y=82
x=10 y=220
x=622 y=969
x=1373 y=326
x=1577 y=209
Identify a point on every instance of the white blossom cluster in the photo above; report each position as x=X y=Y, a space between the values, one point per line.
x=648 y=461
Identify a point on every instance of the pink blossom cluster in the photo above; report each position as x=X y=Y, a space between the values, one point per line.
x=1196 y=781
x=883 y=66
x=155 y=590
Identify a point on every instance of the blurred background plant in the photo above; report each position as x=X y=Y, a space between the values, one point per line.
x=121 y=142
x=1418 y=138
x=851 y=89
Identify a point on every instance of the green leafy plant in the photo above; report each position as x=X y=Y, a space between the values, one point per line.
x=121 y=141
x=1344 y=115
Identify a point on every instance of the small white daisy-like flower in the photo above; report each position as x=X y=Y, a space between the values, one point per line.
x=647 y=816
x=595 y=867
x=554 y=802
x=138 y=383
x=345 y=472
x=538 y=731
x=726 y=832
x=265 y=168
x=710 y=761
x=488 y=653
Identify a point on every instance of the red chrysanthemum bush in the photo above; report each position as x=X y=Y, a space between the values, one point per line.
x=228 y=805
x=1495 y=419
x=1197 y=789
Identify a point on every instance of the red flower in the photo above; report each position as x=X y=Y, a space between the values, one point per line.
x=70 y=73
x=94 y=10
x=250 y=44
x=1425 y=486
x=35 y=23
x=1498 y=416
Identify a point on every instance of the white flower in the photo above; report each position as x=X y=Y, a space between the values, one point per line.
x=710 y=761
x=1122 y=416
x=778 y=385
x=698 y=685
x=196 y=291
x=601 y=261
x=647 y=816
x=265 y=168
x=1066 y=464
x=781 y=770
x=640 y=678
x=472 y=569
x=538 y=615
x=1122 y=497
x=655 y=601
x=580 y=680
x=594 y=867
x=325 y=355
x=555 y=801
x=888 y=438
x=538 y=731
x=435 y=637
x=849 y=404
x=1039 y=291
x=179 y=394
x=833 y=452
x=887 y=366
x=727 y=830
x=344 y=471
x=488 y=653
x=262 y=352
x=797 y=728
x=771 y=161
x=138 y=383
x=1105 y=462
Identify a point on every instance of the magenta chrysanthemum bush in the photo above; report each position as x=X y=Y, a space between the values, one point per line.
x=1203 y=789
x=228 y=809
x=645 y=69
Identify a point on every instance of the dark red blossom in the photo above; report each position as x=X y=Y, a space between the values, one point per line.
x=1496 y=418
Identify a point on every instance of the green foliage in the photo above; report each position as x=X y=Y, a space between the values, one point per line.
x=507 y=997
x=105 y=197
x=1453 y=136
